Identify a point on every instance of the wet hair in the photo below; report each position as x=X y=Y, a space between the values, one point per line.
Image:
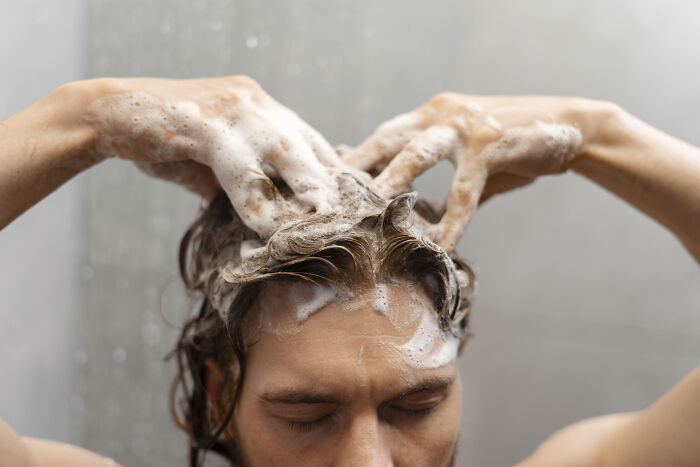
x=216 y=263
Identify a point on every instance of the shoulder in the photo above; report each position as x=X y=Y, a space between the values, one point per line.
x=56 y=454
x=16 y=451
x=579 y=445
x=665 y=433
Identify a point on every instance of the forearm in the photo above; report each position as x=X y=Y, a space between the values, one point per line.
x=655 y=172
x=43 y=146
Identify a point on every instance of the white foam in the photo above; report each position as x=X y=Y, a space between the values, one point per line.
x=319 y=297
x=535 y=149
x=381 y=298
x=304 y=298
x=250 y=248
x=430 y=346
x=240 y=143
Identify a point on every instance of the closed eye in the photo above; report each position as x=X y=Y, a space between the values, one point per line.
x=305 y=426
x=413 y=405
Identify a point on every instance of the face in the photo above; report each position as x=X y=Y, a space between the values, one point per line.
x=332 y=380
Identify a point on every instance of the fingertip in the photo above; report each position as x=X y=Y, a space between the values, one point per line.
x=342 y=150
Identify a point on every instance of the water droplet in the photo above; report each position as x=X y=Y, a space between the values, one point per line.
x=251 y=41
x=150 y=333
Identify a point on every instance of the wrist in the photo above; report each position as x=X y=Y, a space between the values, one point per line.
x=603 y=125
x=67 y=108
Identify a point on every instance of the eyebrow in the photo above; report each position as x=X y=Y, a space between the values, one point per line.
x=315 y=396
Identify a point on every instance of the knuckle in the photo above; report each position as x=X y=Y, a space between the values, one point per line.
x=443 y=98
x=245 y=81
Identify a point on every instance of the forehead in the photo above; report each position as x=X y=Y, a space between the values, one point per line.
x=388 y=308
x=308 y=333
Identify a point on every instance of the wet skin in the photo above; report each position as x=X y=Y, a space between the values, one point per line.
x=337 y=392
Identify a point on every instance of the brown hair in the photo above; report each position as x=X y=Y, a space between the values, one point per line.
x=381 y=244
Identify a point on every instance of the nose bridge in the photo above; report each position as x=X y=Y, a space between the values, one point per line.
x=363 y=444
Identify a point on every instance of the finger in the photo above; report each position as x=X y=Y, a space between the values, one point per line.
x=343 y=151
x=421 y=153
x=253 y=195
x=462 y=201
x=192 y=175
x=285 y=118
x=502 y=182
x=325 y=153
x=262 y=208
x=389 y=138
x=297 y=164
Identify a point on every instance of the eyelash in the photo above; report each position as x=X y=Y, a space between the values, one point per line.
x=302 y=427
x=416 y=413
x=308 y=426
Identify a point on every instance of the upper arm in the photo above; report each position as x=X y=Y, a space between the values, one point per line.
x=56 y=454
x=666 y=433
x=580 y=444
x=16 y=451
x=13 y=450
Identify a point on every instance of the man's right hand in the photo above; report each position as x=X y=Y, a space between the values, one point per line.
x=218 y=132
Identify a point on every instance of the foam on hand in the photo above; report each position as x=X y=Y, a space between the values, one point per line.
x=246 y=144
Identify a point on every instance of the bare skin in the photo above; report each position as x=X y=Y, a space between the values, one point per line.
x=31 y=452
x=665 y=433
x=200 y=133
x=356 y=402
x=496 y=144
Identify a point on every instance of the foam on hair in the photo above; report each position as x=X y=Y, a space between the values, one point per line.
x=351 y=245
x=368 y=241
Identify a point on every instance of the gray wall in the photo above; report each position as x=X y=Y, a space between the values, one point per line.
x=41 y=45
x=585 y=306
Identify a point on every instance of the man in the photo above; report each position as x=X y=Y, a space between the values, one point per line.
x=227 y=132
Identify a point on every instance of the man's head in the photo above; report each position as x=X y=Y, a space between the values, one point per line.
x=329 y=346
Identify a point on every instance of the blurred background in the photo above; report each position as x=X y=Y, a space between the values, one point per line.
x=585 y=306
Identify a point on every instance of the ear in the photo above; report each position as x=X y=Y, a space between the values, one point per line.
x=213 y=378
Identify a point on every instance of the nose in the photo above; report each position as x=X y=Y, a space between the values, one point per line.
x=363 y=444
